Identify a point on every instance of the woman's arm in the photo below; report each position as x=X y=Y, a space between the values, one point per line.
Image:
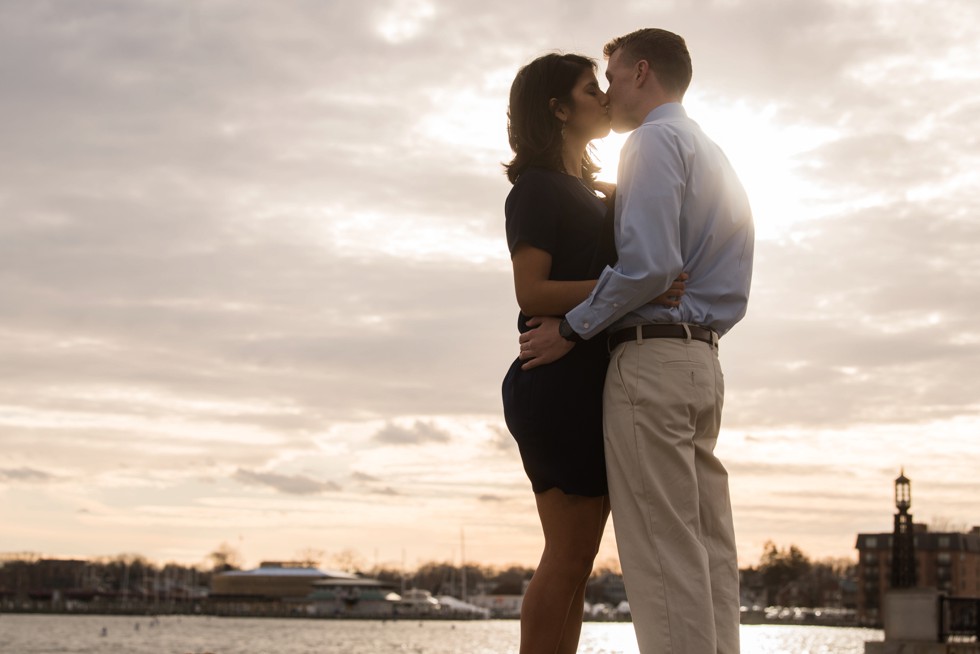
x=539 y=296
x=536 y=294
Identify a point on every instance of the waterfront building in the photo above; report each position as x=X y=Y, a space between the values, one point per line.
x=352 y=598
x=500 y=606
x=285 y=588
x=946 y=561
x=275 y=580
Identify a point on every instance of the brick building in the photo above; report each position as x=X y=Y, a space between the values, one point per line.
x=946 y=561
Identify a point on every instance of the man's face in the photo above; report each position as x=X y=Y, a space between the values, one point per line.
x=620 y=92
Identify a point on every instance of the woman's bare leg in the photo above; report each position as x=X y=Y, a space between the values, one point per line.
x=551 y=614
x=573 y=625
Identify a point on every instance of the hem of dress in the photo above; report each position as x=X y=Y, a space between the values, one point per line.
x=576 y=492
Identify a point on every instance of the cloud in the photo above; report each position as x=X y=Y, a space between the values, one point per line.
x=877 y=302
x=25 y=475
x=289 y=484
x=280 y=226
x=501 y=439
x=419 y=433
x=763 y=469
x=871 y=162
x=387 y=490
x=370 y=484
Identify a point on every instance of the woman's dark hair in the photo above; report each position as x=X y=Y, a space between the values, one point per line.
x=532 y=127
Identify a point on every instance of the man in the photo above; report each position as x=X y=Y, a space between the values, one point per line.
x=679 y=208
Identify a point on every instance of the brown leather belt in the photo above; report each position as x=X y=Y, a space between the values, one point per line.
x=663 y=331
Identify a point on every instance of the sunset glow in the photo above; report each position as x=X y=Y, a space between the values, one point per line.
x=256 y=291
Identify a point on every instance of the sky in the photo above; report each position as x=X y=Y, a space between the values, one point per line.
x=255 y=289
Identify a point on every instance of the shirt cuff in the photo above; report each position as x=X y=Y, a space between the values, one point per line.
x=582 y=320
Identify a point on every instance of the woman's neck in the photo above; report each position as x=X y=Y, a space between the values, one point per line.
x=572 y=154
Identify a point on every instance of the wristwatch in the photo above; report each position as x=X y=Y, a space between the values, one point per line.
x=565 y=331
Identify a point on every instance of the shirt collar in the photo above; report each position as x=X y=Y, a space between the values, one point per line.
x=665 y=111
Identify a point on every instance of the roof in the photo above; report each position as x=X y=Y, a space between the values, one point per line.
x=290 y=572
x=927 y=541
x=351 y=583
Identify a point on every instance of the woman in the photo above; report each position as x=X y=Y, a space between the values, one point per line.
x=560 y=239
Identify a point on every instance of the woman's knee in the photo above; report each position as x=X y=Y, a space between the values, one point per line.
x=576 y=562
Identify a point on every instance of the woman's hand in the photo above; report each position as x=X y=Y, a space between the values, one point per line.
x=608 y=189
x=672 y=296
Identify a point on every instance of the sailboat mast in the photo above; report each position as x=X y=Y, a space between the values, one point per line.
x=462 y=561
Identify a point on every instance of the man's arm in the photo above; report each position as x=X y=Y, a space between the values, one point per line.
x=653 y=178
x=546 y=343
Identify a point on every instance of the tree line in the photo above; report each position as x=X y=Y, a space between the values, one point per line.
x=788 y=577
x=783 y=576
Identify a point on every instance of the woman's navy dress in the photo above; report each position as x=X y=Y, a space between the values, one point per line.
x=555 y=411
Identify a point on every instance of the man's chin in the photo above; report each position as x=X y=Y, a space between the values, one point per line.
x=619 y=126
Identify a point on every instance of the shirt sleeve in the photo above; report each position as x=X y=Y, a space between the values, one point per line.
x=531 y=214
x=653 y=178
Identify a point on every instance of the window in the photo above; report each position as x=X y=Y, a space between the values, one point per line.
x=943 y=558
x=944 y=542
x=871 y=542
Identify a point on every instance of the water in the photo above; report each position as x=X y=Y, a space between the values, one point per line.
x=44 y=634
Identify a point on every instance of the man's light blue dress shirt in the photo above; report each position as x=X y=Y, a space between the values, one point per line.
x=679 y=208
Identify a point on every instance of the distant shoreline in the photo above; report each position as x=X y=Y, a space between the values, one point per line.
x=808 y=619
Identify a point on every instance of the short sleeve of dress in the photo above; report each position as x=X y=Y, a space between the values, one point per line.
x=531 y=212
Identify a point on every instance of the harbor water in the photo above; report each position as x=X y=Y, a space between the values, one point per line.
x=91 y=634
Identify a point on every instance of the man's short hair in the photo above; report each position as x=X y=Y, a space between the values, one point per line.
x=665 y=51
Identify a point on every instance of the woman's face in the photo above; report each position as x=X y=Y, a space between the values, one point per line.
x=589 y=113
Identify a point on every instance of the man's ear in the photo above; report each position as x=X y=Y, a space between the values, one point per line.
x=642 y=73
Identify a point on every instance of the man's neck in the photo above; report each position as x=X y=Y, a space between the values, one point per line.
x=639 y=115
x=656 y=103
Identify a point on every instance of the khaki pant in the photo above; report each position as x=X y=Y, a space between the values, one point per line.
x=669 y=495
